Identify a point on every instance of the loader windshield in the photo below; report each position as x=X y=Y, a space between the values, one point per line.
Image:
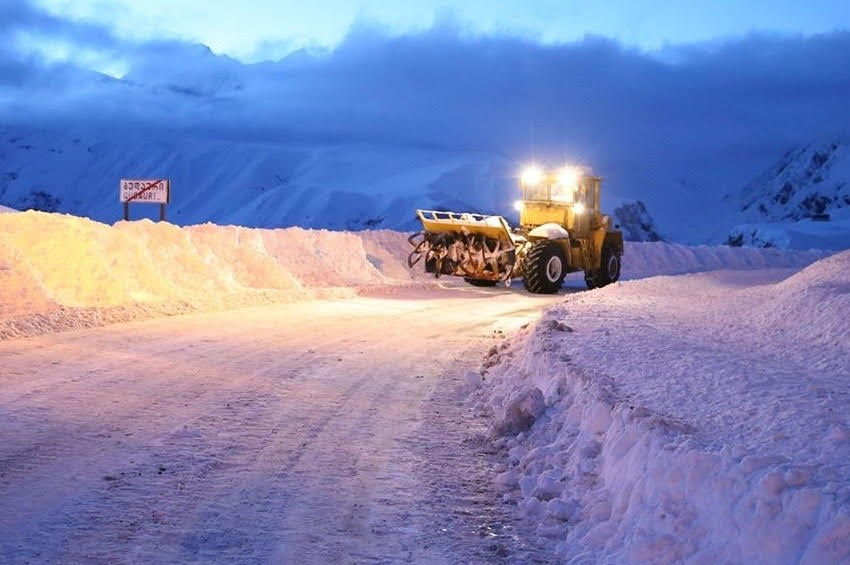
x=538 y=192
x=550 y=192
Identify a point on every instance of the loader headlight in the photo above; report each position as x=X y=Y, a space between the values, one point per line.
x=531 y=176
x=518 y=205
x=578 y=208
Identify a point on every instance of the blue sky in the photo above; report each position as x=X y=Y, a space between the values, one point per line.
x=253 y=30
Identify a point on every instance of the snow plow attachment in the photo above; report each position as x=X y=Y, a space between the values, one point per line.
x=478 y=247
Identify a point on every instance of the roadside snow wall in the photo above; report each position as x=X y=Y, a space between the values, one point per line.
x=650 y=259
x=60 y=272
x=606 y=478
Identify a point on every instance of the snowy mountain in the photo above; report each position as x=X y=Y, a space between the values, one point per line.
x=348 y=186
x=803 y=200
x=803 y=182
x=636 y=222
x=354 y=186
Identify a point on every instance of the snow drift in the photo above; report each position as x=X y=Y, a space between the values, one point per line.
x=698 y=419
x=59 y=271
x=649 y=259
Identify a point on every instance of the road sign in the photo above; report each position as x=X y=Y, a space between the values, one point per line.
x=144 y=191
x=150 y=191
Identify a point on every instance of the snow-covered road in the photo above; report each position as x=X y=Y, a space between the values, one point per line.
x=316 y=432
x=312 y=405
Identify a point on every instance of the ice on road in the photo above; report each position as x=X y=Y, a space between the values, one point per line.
x=317 y=432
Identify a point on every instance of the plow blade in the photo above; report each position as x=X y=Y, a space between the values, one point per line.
x=474 y=246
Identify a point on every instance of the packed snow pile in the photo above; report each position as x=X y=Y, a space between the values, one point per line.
x=818 y=295
x=649 y=259
x=59 y=271
x=701 y=418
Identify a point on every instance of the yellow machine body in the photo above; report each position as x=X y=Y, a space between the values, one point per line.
x=559 y=217
x=493 y=227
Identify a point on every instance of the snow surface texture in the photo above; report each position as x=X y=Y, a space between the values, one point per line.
x=805 y=182
x=700 y=418
x=59 y=271
x=306 y=433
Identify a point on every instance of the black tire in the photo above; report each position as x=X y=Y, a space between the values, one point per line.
x=544 y=268
x=479 y=282
x=609 y=270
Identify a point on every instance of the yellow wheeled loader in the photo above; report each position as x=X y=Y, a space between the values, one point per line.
x=561 y=231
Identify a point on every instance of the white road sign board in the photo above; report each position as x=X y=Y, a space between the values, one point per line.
x=151 y=191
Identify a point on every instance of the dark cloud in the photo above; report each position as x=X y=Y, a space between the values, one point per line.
x=715 y=115
x=18 y=15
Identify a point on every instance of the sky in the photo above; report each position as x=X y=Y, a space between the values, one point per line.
x=254 y=30
x=657 y=96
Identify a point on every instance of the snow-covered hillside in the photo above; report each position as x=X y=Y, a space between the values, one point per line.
x=341 y=187
x=778 y=207
x=252 y=184
x=811 y=180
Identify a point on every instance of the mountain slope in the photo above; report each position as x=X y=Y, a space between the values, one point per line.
x=343 y=186
x=811 y=180
x=255 y=184
x=803 y=200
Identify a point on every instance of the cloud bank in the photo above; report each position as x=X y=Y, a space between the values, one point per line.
x=714 y=114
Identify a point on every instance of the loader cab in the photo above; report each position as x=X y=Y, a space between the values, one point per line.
x=568 y=197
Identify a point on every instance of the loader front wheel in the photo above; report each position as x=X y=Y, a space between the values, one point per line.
x=544 y=268
x=480 y=282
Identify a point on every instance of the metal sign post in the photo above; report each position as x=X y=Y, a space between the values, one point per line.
x=150 y=191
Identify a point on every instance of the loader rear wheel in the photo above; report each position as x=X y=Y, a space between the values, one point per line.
x=480 y=282
x=544 y=268
x=609 y=271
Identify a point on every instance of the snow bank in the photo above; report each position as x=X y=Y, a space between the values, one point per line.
x=649 y=259
x=820 y=295
x=59 y=271
x=653 y=448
